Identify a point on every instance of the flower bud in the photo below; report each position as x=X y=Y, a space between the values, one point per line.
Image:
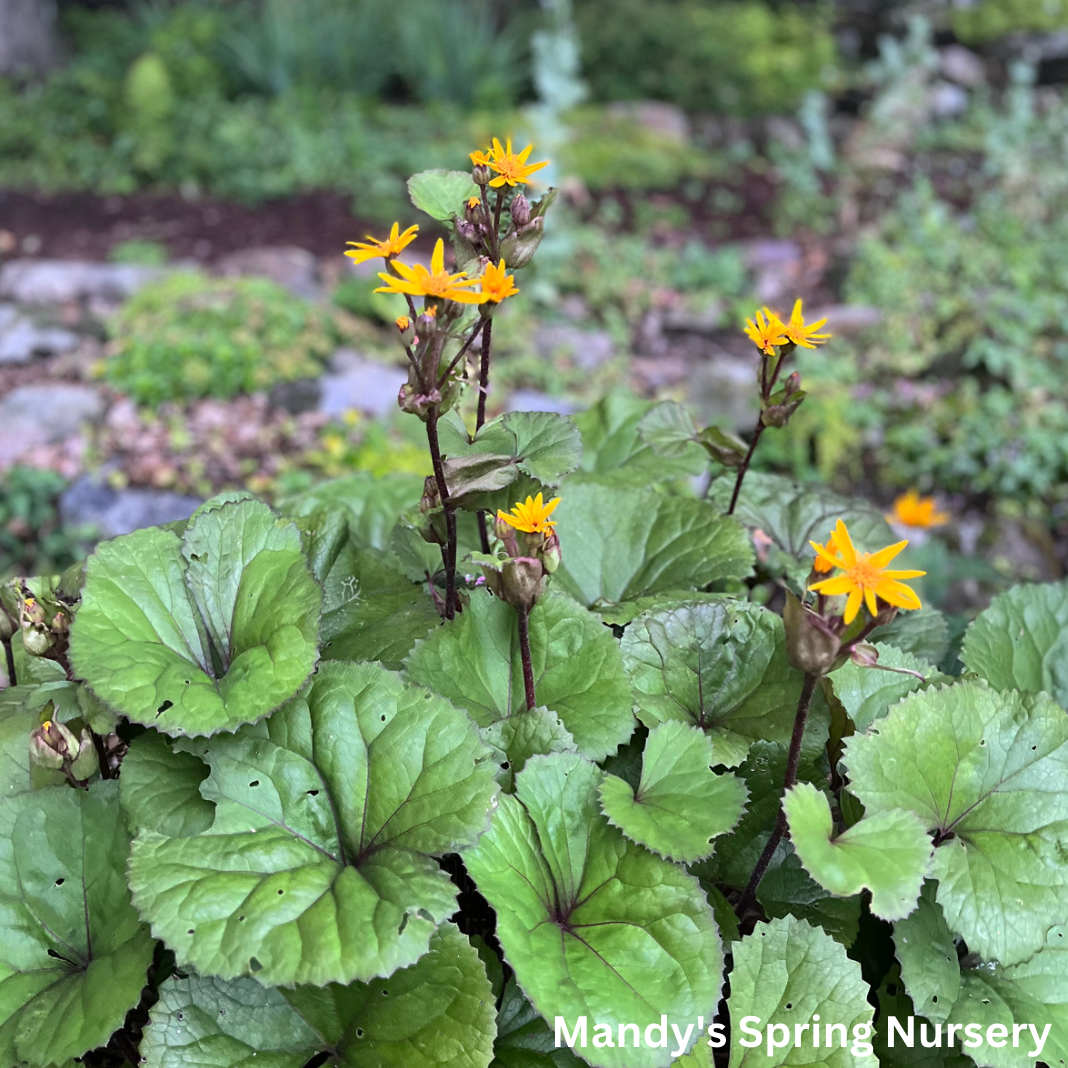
x=61 y=623
x=37 y=639
x=481 y=175
x=52 y=745
x=550 y=553
x=792 y=383
x=87 y=762
x=473 y=210
x=468 y=231
x=32 y=611
x=7 y=625
x=406 y=329
x=431 y=498
x=518 y=582
x=520 y=212
x=811 y=645
x=517 y=250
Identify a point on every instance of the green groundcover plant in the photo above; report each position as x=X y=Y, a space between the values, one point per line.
x=561 y=764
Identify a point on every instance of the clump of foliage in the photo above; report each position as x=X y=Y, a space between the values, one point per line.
x=989 y=20
x=188 y=336
x=747 y=58
x=33 y=537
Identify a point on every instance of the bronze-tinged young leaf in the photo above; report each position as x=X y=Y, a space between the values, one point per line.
x=987 y=773
x=319 y=865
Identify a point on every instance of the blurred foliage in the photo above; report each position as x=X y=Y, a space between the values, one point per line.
x=33 y=538
x=189 y=336
x=989 y=20
x=737 y=58
x=140 y=251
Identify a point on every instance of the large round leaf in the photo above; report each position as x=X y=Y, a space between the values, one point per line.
x=867 y=693
x=578 y=673
x=987 y=773
x=319 y=864
x=203 y=634
x=680 y=805
x=620 y=544
x=785 y=973
x=73 y=956
x=1021 y=641
x=437 y=1012
x=720 y=666
x=592 y=924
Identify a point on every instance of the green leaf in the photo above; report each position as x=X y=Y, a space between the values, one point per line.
x=73 y=956
x=720 y=666
x=524 y=1039
x=437 y=1012
x=516 y=739
x=620 y=544
x=868 y=693
x=204 y=634
x=987 y=773
x=792 y=514
x=440 y=193
x=950 y=991
x=787 y=890
x=591 y=923
x=160 y=788
x=887 y=853
x=680 y=806
x=1021 y=641
x=612 y=445
x=786 y=972
x=578 y=673
x=319 y=865
x=669 y=429
x=924 y=634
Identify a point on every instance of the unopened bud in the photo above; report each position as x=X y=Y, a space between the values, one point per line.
x=520 y=211
x=468 y=231
x=406 y=329
x=811 y=645
x=792 y=383
x=473 y=210
x=481 y=175
x=550 y=553
x=517 y=250
x=87 y=762
x=52 y=745
x=61 y=623
x=37 y=639
x=519 y=582
x=32 y=612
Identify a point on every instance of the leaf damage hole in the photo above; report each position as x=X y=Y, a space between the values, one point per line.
x=280 y=893
x=789 y=1005
x=385 y=993
x=255 y=782
x=383 y=719
x=241 y=919
x=163 y=707
x=982 y=741
x=60 y=881
x=254 y=965
x=312 y=793
x=934 y=999
x=359 y=1032
x=179 y=1015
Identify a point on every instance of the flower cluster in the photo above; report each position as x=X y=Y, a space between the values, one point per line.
x=530 y=552
x=511 y=169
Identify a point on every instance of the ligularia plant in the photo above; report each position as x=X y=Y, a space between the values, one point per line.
x=520 y=773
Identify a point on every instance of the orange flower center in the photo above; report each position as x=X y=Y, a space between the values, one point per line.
x=862 y=573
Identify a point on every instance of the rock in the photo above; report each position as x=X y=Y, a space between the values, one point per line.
x=776 y=265
x=587 y=349
x=962 y=65
x=665 y=120
x=113 y=512
x=293 y=268
x=948 y=100
x=41 y=414
x=530 y=400
x=705 y=321
x=303 y=395
x=60 y=281
x=365 y=386
x=21 y=338
x=845 y=320
x=724 y=391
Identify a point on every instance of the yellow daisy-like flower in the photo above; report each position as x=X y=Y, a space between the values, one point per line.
x=802 y=334
x=482 y=159
x=496 y=285
x=531 y=516
x=437 y=283
x=512 y=169
x=912 y=510
x=766 y=335
x=393 y=245
x=865 y=576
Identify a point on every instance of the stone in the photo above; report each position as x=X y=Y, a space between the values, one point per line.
x=707 y=320
x=776 y=265
x=587 y=349
x=303 y=395
x=366 y=387
x=530 y=400
x=44 y=413
x=21 y=338
x=31 y=281
x=291 y=267
x=113 y=512
x=665 y=120
x=724 y=391
x=845 y=320
x=962 y=65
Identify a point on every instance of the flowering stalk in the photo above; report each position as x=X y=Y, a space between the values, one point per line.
x=523 y=616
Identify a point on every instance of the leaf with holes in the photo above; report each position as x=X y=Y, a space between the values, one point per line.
x=160 y=788
x=987 y=773
x=947 y=990
x=887 y=853
x=319 y=864
x=438 y=1011
x=202 y=634
x=73 y=955
x=785 y=973
x=475 y=662
x=1021 y=641
x=720 y=666
x=516 y=739
x=620 y=544
x=680 y=806
x=592 y=924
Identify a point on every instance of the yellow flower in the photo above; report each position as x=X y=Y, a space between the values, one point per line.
x=437 y=283
x=531 y=516
x=912 y=510
x=482 y=159
x=403 y=322
x=822 y=563
x=801 y=334
x=474 y=202
x=496 y=285
x=865 y=576
x=393 y=245
x=766 y=335
x=512 y=169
